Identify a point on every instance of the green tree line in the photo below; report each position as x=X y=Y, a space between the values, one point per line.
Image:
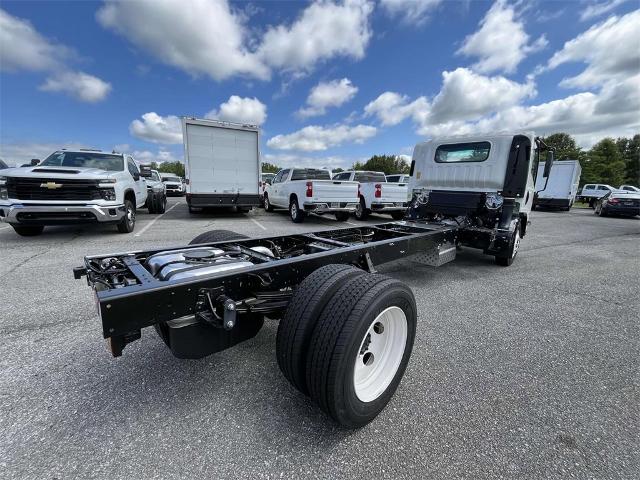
x=611 y=161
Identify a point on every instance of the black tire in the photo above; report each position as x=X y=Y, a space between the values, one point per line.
x=267 y=204
x=362 y=212
x=338 y=341
x=602 y=212
x=398 y=215
x=216 y=236
x=28 y=230
x=161 y=206
x=151 y=204
x=342 y=216
x=506 y=258
x=128 y=222
x=297 y=215
x=296 y=327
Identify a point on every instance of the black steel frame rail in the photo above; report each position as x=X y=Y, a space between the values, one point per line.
x=127 y=309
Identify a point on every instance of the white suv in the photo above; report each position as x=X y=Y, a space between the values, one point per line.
x=70 y=187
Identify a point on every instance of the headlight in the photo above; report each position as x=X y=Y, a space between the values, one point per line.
x=493 y=201
x=4 y=194
x=108 y=194
x=3 y=180
x=106 y=182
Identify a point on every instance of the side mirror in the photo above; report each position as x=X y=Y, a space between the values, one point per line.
x=136 y=176
x=268 y=181
x=548 y=164
x=34 y=162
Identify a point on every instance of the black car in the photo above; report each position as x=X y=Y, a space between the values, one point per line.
x=618 y=203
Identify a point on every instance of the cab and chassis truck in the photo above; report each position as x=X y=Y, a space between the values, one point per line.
x=346 y=332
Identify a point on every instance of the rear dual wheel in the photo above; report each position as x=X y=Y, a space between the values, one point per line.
x=346 y=340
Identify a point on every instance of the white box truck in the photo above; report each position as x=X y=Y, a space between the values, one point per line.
x=222 y=164
x=559 y=190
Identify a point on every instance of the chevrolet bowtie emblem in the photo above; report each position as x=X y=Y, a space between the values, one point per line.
x=51 y=185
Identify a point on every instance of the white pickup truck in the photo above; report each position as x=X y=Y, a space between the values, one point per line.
x=305 y=190
x=70 y=187
x=376 y=194
x=592 y=192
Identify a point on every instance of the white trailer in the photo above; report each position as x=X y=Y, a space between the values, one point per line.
x=222 y=164
x=561 y=186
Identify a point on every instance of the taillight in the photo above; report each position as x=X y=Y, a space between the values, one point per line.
x=359 y=194
x=613 y=200
x=187 y=181
x=309 y=189
x=259 y=184
x=378 y=192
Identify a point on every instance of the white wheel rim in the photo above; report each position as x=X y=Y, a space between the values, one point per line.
x=516 y=244
x=294 y=210
x=380 y=354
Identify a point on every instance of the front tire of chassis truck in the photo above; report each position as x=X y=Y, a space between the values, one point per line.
x=506 y=258
x=397 y=215
x=297 y=215
x=28 y=230
x=342 y=216
x=360 y=348
x=296 y=327
x=128 y=222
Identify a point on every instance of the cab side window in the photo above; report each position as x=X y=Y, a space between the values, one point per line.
x=342 y=176
x=133 y=168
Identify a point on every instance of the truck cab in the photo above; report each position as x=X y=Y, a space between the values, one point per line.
x=486 y=183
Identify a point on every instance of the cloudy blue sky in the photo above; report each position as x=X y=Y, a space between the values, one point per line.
x=330 y=82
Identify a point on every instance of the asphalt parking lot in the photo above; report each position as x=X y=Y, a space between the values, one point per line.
x=530 y=371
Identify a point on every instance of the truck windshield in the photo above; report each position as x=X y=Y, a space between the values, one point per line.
x=310 y=174
x=103 y=161
x=463 y=152
x=155 y=177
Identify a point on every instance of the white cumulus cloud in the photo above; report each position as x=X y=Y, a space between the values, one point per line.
x=599 y=8
x=468 y=95
x=203 y=36
x=392 y=108
x=22 y=47
x=501 y=43
x=157 y=129
x=328 y=94
x=410 y=11
x=240 y=110
x=79 y=85
x=317 y=138
x=324 y=30
x=610 y=50
x=210 y=37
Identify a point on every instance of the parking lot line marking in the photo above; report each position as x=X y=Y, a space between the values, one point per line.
x=148 y=225
x=258 y=223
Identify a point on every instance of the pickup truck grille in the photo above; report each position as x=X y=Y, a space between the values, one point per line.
x=52 y=189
